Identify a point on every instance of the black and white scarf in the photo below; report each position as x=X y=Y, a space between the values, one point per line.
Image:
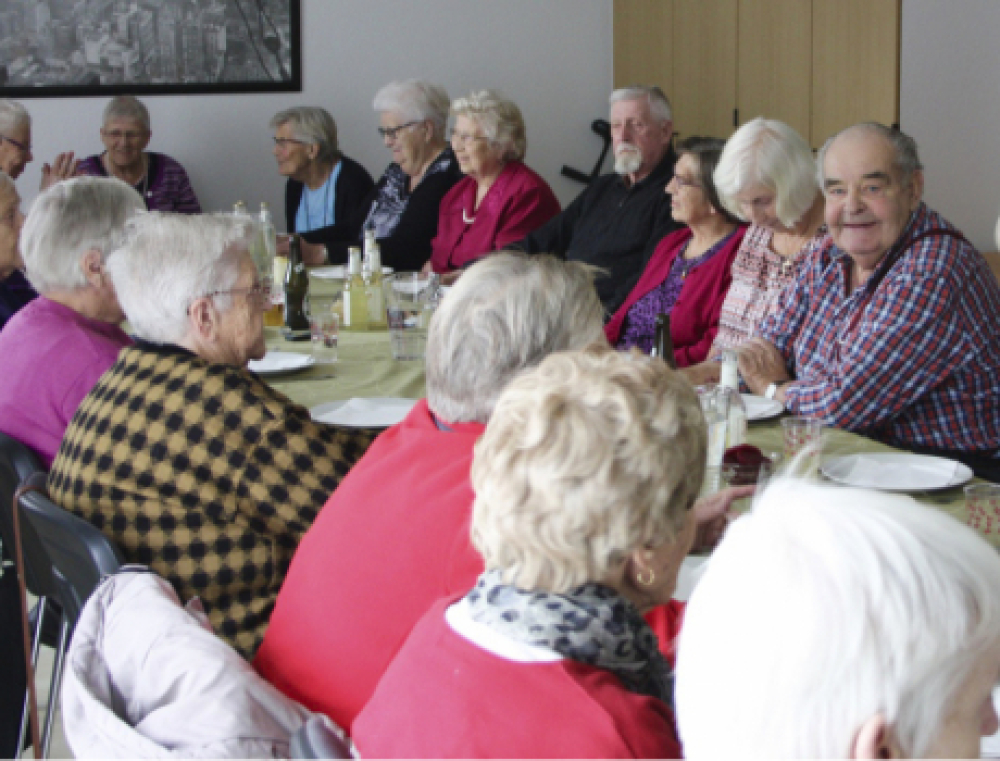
x=393 y=195
x=592 y=624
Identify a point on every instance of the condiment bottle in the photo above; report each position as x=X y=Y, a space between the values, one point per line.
x=296 y=287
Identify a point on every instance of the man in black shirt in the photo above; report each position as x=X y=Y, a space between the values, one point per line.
x=617 y=221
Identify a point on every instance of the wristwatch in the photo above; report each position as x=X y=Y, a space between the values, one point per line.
x=771 y=391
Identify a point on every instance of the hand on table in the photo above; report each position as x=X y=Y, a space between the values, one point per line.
x=712 y=515
x=62 y=168
x=427 y=270
x=761 y=364
x=313 y=253
x=282 y=246
x=703 y=373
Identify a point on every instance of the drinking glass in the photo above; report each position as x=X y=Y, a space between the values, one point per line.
x=409 y=301
x=803 y=443
x=715 y=406
x=982 y=502
x=324 y=329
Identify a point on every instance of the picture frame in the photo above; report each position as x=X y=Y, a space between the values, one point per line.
x=100 y=48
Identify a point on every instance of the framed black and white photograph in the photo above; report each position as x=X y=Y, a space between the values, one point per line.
x=106 y=47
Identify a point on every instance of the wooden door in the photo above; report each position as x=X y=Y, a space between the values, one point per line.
x=642 y=40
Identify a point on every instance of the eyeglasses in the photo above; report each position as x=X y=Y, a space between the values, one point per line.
x=390 y=133
x=284 y=142
x=20 y=146
x=260 y=293
x=129 y=137
x=683 y=182
x=464 y=139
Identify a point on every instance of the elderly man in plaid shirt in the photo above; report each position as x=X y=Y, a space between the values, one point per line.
x=890 y=330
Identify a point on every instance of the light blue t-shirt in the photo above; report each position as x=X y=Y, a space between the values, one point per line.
x=316 y=208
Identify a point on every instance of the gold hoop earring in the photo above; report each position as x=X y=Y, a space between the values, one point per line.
x=646 y=582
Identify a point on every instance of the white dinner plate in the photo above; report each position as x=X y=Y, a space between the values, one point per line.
x=363 y=413
x=338 y=272
x=890 y=471
x=278 y=362
x=760 y=408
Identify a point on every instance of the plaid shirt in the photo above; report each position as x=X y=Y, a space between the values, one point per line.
x=912 y=360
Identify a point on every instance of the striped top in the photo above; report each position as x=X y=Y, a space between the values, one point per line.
x=168 y=187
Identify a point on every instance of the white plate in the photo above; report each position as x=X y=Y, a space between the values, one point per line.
x=889 y=471
x=338 y=272
x=759 y=408
x=363 y=413
x=278 y=362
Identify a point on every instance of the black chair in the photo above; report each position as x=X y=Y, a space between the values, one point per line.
x=69 y=557
x=17 y=465
x=318 y=739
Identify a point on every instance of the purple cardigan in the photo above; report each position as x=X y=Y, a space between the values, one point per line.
x=169 y=188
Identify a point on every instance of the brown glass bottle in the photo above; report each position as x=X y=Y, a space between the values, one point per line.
x=663 y=344
x=296 y=288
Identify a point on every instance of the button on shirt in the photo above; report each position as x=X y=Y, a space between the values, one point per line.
x=913 y=358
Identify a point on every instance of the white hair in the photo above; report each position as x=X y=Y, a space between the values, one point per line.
x=771 y=154
x=415 y=100
x=169 y=260
x=588 y=458
x=824 y=608
x=500 y=119
x=505 y=314
x=69 y=219
x=126 y=107
x=314 y=126
x=13 y=116
x=659 y=104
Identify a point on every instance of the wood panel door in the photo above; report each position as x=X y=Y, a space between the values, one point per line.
x=774 y=75
x=855 y=70
x=643 y=53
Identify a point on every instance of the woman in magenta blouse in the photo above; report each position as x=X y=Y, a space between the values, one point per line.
x=687 y=276
x=500 y=200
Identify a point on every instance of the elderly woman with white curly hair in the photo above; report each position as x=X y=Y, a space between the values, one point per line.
x=403 y=207
x=585 y=483
x=838 y=623
x=326 y=190
x=57 y=347
x=766 y=176
x=188 y=462
x=500 y=200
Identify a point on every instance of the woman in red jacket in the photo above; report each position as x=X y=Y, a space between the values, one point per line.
x=687 y=276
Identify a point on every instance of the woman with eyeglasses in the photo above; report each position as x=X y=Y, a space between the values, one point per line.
x=325 y=191
x=687 y=277
x=500 y=200
x=159 y=179
x=403 y=207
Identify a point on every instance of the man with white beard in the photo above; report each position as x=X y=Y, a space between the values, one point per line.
x=617 y=221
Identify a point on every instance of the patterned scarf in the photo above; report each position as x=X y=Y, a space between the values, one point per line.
x=592 y=624
x=393 y=195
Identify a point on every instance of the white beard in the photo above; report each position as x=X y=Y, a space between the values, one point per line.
x=628 y=159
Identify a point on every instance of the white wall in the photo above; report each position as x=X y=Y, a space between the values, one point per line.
x=950 y=104
x=553 y=58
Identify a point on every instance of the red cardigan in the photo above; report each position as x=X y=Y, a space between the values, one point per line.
x=694 y=320
x=518 y=203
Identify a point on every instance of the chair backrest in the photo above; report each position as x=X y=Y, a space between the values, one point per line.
x=318 y=738
x=17 y=465
x=77 y=554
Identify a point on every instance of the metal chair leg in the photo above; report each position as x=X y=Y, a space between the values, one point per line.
x=54 y=686
x=35 y=644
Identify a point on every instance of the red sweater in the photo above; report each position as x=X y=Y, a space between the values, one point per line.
x=446 y=697
x=694 y=320
x=518 y=203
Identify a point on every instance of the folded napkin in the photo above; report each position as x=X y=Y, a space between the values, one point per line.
x=913 y=472
x=369 y=413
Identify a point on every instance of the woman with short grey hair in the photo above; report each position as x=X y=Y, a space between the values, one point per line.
x=326 y=192
x=766 y=176
x=159 y=179
x=500 y=199
x=585 y=481
x=402 y=209
x=57 y=347
x=188 y=461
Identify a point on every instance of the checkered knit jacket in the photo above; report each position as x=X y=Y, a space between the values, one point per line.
x=204 y=473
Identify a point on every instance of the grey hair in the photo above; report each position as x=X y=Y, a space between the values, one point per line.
x=505 y=314
x=13 y=116
x=659 y=104
x=415 y=100
x=127 y=107
x=169 y=260
x=588 y=458
x=906 y=158
x=312 y=125
x=500 y=119
x=769 y=153
x=69 y=219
